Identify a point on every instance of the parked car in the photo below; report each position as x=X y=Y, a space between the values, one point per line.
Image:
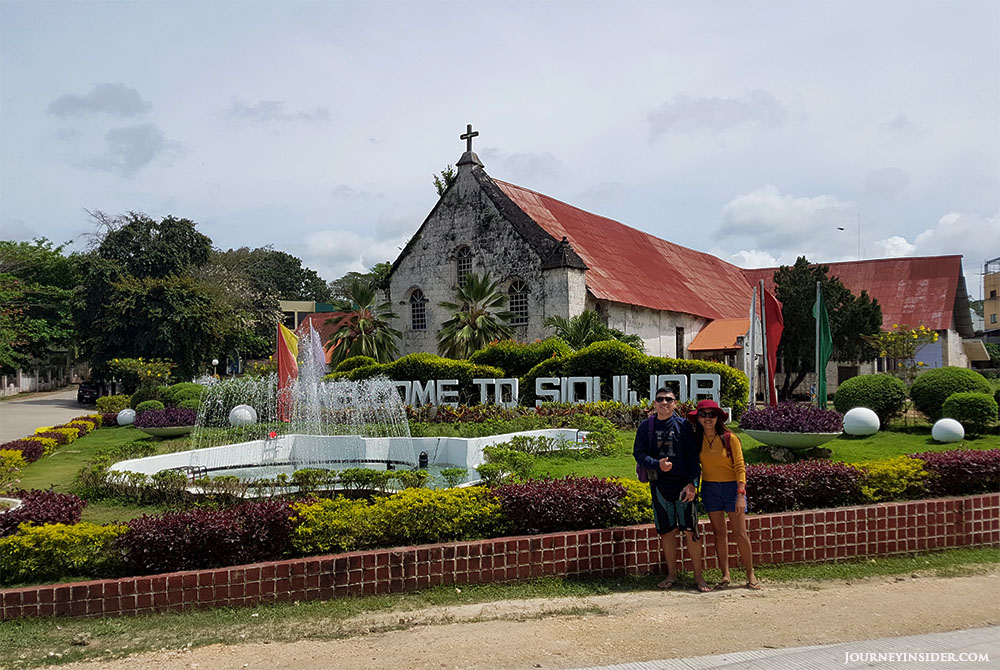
x=88 y=392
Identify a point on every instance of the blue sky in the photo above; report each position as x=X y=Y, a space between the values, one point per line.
x=750 y=130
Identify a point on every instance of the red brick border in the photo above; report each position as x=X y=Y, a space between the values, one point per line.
x=791 y=537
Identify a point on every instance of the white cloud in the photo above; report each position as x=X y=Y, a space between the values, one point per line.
x=748 y=258
x=268 y=111
x=686 y=114
x=886 y=183
x=114 y=99
x=522 y=167
x=775 y=221
x=128 y=150
x=334 y=253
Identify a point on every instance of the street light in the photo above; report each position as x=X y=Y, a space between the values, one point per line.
x=859 y=234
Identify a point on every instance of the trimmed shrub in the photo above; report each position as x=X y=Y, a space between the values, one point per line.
x=551 y=505
x=11 y=462
x=330 y=526
x=961 y=472
x=900 y=478
x=95 y=419
x=71 y=432
x=147 y=405
x=977 y=412
x=55 y=551
x=932 y=388
x=734 y=384
x=606 y=359
x=792 y=417
x=51 y=439
x=41 y=507
x=516 y=358
x=550 y=367
x=110 y=419
x=85 y=426
x=165 y=417
x=419 y=516
x=183 y=391
x=31 y=448
x=206 y=538
x=112 y=403
x=353 y=362
x=883 y=394
x=637 y=506
x=147 y=393
x=424 y=367
x=189 y=404
x=805 y=485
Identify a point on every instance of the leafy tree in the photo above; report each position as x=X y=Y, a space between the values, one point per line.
x=275 y=272
x=900 y=345
x=586 y=328
x=475 y=321
x=447 y=178
x=363 y=329
x=851 y=317
x=36 y=297
x=340 y=289
x=143 y=247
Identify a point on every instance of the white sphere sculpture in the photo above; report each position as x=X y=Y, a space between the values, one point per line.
x=242 y=415
x=947 y=430
x=126 y=417
x=861 y=421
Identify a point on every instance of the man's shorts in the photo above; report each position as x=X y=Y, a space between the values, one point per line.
x=719 y=496
x=670 y=514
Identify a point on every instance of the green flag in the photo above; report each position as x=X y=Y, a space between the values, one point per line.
x=824 y=345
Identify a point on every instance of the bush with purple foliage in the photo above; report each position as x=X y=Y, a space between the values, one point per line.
x=550 y=505
x=804 y=485
x=961 y=472
x=793 y=417
x=31 y=450
x=41 y=507
x=61 y=438
x=207 y=538
x=166 y=418
x=109 y=419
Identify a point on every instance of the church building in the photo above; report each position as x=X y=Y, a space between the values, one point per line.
x=553 y=259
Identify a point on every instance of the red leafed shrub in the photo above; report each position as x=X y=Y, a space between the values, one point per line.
x=32 y=450
x=550 y=505
x=805 y=485
x=206 y=538
x=961 y=472
x=109 y=419
x=41 y=507
x=61 y=438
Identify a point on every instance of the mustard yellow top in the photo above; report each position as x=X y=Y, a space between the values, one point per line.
x=715 y=463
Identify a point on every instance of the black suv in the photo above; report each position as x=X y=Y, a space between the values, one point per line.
x=88 y=392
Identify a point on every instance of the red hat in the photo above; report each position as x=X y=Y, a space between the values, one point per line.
x=708 y=405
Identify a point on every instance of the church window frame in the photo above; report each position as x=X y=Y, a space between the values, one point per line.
x=463 y=264
x=517 y=302
x=418 y=310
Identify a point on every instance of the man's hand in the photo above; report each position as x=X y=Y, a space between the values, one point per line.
x=666 y=465
x=689 y=493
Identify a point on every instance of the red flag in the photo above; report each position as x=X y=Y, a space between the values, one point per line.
x=775 y=324
x=288 y=368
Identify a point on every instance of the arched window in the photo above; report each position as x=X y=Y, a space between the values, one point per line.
x=464 y=261
x=418 y=310
x=517 y=298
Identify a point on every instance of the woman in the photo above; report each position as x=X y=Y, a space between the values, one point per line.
x=724 y=487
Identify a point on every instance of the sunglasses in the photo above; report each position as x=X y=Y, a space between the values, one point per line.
x=664 y=398
x=705 y=413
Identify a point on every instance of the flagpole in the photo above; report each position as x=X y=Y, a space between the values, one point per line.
x=763 y=341
x=752 y=337
x=818 y=296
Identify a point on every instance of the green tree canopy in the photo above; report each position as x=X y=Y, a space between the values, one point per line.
x=477 y=318
x=143 y=247
x=851 y=317
x=363 y=328
x=276 y=272
x=340 y=288
x=588 y=327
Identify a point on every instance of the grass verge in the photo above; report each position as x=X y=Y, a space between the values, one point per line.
x=29 y=643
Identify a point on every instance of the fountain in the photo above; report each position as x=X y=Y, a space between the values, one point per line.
x=248 y=429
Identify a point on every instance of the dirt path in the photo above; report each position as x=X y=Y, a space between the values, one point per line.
x=603 y=630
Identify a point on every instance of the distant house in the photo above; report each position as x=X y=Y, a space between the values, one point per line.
x=553 y=259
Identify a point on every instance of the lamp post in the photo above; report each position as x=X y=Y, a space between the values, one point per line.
x=215 y=366
x=859 y=234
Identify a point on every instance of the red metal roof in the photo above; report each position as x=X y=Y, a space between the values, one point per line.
x=632 y=267
x=720 y=334
x=912 y=291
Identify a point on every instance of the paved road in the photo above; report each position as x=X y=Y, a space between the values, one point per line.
x=19 y=418
x=973 y=648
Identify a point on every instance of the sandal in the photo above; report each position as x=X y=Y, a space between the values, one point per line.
x=754 y=586
x=724 y=584
x=666 y=584
x=703 y=587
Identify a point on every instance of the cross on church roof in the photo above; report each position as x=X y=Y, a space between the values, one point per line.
x=467 y=136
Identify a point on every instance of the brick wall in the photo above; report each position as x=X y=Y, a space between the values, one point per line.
x=791 y=537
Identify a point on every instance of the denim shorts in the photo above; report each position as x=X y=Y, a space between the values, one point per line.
x=719 y=496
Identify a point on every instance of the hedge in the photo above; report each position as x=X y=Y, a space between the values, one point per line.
x=977 y=412
x=883 y=394
x=516 y=358
x=932 y=388
x=425 y=367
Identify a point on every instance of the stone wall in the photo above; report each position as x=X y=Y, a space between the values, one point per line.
x=887 y=529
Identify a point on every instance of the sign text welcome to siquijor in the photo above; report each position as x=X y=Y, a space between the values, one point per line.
x=557 y=389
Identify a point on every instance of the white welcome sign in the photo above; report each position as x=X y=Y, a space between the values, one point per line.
x=558 y=389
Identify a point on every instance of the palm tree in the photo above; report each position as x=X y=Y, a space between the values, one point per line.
x=586 y=328
x=475 y=321
x=362 y=328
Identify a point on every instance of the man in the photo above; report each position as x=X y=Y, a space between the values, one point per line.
x=665 y=447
